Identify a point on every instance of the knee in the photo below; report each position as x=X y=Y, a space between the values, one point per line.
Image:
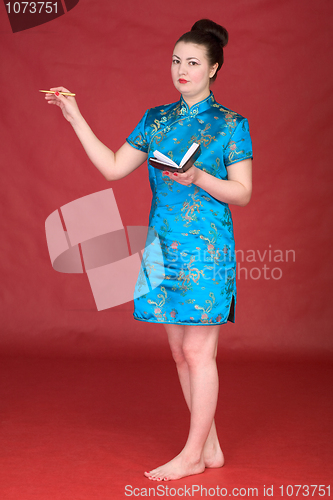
x=178 y=356
x=192 y=356
x=196 y=356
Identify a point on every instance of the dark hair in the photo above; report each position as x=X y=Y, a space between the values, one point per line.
x=213 y=36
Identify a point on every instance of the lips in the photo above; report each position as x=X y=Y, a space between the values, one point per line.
x=181 y=80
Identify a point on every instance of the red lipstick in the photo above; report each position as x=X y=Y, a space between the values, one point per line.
x=181 y=80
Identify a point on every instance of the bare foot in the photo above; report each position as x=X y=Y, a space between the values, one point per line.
x=213 y=456
x=175 y=469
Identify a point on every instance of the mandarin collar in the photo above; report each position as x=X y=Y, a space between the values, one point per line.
x=199 y=107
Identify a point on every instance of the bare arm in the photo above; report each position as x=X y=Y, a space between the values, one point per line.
x=112 y=165
x=236 y=190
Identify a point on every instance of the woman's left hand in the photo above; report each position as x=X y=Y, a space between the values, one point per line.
x=186 y=178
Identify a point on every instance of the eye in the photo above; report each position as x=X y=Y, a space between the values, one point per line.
x=175 y=61
x=193 y=63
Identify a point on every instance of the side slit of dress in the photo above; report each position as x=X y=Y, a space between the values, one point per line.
x=231 y=316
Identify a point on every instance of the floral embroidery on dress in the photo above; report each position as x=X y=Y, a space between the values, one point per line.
x=215 y=168
x=214 y=252
x=233 y=151
x=230 y=284
x=204 y=139
x=141 y=281
x=173 y=313
x=140 y=140
x=231 y=119
x=159 y=315
x=226 y=220
x=229 y=291
x=174 y=245
x=146 y=270
x=166 y=229
x=169 y=182
x=163 y=233
x=182 y=111
x=159 y=136
x=187 y=277
x=176 y=141
x=190 y=210
x=172 y=251
x=156 y=125
x=206 y=310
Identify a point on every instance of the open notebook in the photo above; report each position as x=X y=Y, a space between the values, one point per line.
x=163 y=162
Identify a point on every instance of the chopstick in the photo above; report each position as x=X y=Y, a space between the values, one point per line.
x=54 y=91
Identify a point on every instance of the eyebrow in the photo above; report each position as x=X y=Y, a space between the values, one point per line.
x=187 y=59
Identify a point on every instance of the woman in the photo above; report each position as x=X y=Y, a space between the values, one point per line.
x=190 y=213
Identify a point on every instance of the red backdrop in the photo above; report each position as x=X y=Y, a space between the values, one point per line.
x=116 y=57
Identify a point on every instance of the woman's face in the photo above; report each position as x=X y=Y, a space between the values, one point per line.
x=191 y=71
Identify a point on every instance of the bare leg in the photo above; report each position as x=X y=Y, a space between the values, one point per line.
x=212 y=453
x=200 y=385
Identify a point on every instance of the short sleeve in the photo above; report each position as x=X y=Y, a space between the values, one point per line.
x=240 y=145
x=138 y=138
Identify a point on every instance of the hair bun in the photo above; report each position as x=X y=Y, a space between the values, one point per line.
x=209 y=27
x=210 y=35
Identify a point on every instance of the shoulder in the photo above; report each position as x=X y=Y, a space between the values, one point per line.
x=165 y=108
x=227 y=120
x=228 y=114
x=161 y=116
x=164 y=112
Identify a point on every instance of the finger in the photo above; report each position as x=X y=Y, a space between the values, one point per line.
x=60 y=89
x=53 y=97
x=53 y=100
x=60 y=98
x=181 y=177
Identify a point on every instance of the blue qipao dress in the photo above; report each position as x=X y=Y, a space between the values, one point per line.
x=195 y=229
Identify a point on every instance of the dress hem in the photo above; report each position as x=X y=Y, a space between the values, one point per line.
x=181 y=322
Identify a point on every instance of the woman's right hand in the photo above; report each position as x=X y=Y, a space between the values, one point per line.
x=67 y=104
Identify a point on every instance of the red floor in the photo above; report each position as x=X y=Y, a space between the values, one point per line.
x=86 y=429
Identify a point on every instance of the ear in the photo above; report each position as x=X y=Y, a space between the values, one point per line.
x=213 y=70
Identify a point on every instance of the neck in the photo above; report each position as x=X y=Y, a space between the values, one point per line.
x=192 y=100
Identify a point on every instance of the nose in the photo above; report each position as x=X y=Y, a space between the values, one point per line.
x=182 y=68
